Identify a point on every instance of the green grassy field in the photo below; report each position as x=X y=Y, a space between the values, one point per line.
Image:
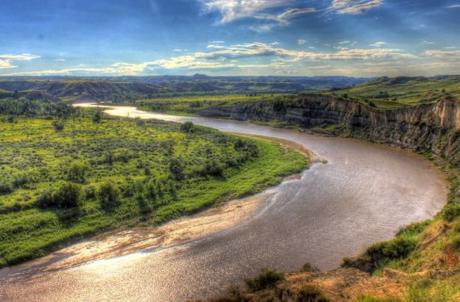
x=193 y=104
x=390 y=93
x=57 y=185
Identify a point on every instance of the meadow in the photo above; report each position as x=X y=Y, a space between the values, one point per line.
x=65 y=179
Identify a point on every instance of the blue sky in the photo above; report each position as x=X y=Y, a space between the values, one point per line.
x=230 y=37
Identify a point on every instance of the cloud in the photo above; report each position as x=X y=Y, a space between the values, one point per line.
x=454 y=6
x=243 y=58
x=354 y=7
x=7 y=60
x=229 y=56
x=443 y=54
x=378 y=44
x=301 y=41
x=232 y=10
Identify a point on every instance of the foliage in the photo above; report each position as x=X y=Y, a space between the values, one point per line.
x=67 y=195
x=58 y=125
x=381 y=253
x=310 y=293
x=42 y=171
x=391 y=93
x=77 y=172
x=108 y=196
x=266 y=279
x=187 y=127
x=97 y=116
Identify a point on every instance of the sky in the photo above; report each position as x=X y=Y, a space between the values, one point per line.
x=230 y=37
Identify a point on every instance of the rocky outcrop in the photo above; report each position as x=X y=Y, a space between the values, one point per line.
x=426 y=127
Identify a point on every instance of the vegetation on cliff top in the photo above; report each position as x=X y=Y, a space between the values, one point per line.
x=66 y=180
x=391 y=93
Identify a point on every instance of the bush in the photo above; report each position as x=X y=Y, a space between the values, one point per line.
x=307 y=267
x=452 y=212
x=58 y=125
x=90 y=192
x=187 y=127
x=212 y=168
x=66 y=196
x=5 y=188
x=266 y=279
x=108 y=195
x=139 y=122
x=77 y=172
x=97 y=116
x=176 y=168
x=310 y=293
x=380 y=253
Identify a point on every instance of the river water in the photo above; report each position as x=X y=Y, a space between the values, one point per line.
x=364 y=193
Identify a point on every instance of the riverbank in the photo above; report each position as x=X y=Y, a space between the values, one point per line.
x=128 y=162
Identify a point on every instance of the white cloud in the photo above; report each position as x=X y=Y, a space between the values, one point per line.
x=7 y=60
x=378 y=44
x=354 y=6
x=443 y=54
x=231 y=10
x=229 y=56
x=454 y=6
x=249 y=57
x=301 y=41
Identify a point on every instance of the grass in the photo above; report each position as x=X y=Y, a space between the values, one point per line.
x=194 y=104
x=121 y=174
x=393 y=93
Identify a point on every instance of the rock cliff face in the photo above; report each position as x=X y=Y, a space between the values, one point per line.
x=427 y=127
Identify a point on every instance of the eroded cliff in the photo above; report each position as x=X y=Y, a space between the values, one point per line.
x=429 y=127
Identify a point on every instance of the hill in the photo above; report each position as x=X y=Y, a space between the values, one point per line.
x=388 y=93
x=126 y=89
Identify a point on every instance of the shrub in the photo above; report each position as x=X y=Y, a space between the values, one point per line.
x=21 y=180
x=58 y=125
x=90 y=192
x=452 y=212
x=380 y=253
x=108 y=195
x=212 y=168
x=187 y=127
x=176 y=168
x=77 y=172
x=97 y=116
x=5 y=188
x=266 y=279
x=310 y=293
x=307 y=267
x=66 y=196
x=139 y=122
x=456 y=244
x=11 y=119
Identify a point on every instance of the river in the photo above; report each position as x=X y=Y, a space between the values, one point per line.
x=361 y=194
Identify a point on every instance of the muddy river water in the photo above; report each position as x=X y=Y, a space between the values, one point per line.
x=363 y=194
